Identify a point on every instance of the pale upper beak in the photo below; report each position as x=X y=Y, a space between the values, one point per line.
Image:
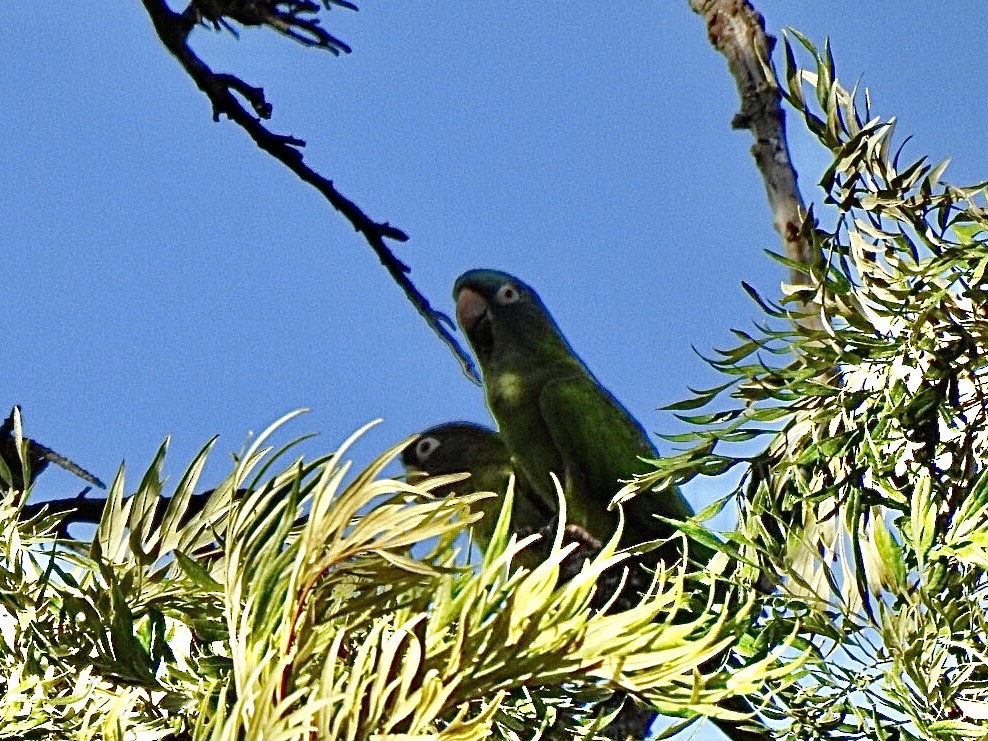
x=470 y=307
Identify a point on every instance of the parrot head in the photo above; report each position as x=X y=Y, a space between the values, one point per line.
x=454 y=447
x=501 y=315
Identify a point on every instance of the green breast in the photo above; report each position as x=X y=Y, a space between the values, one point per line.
x=515 y=406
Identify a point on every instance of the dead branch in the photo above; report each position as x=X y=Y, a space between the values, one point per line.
x=226 y=91
x=737 y=31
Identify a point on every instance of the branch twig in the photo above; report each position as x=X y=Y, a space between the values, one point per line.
x=173 y=29
x=737 y=31
x=38 y=456
x=288 y=21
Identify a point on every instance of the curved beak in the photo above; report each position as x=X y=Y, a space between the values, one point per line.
x=471 y=307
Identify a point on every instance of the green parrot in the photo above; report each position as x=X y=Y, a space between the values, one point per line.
x=457 y=447
x=555 y=417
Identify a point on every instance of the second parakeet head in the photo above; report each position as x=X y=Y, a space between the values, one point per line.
x=465 y=447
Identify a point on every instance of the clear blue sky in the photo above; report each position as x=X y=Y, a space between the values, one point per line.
x=161 y=276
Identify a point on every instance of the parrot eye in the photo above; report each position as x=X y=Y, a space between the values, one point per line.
x=425 y=447
x=507 y=294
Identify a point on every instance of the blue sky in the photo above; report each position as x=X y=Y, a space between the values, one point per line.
x=161 y=276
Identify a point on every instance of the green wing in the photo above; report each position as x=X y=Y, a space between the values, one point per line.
x=599 y=444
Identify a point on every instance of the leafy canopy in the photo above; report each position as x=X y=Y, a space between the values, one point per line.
x=866 y=504
x=302 y=599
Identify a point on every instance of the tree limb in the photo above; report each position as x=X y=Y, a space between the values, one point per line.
x=80 y=510
x=35 y=455
x=73 y=510
x=737 y=31
x=173 y=30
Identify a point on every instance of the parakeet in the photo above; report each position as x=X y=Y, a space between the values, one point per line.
x=555 y=417
x=467 y=447
x=457 y=447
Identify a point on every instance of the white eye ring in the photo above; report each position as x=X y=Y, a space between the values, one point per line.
x=507 y=294
x=425 y=447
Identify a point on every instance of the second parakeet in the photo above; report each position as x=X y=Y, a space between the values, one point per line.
x=465 y=447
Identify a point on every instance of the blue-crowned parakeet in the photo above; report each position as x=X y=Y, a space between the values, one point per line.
x=465 y=447
x=555 y=417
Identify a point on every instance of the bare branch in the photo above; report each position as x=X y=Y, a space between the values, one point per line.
x=737 y=31
x=72 y=510
x=80 y=510
x=38 y=457
x=173 y=29
x=289 y=21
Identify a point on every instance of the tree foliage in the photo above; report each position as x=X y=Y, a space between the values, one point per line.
x=304 y=600
x=867 y=503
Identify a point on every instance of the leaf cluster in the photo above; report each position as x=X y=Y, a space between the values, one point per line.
x=302 y=600
x=865 y=499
